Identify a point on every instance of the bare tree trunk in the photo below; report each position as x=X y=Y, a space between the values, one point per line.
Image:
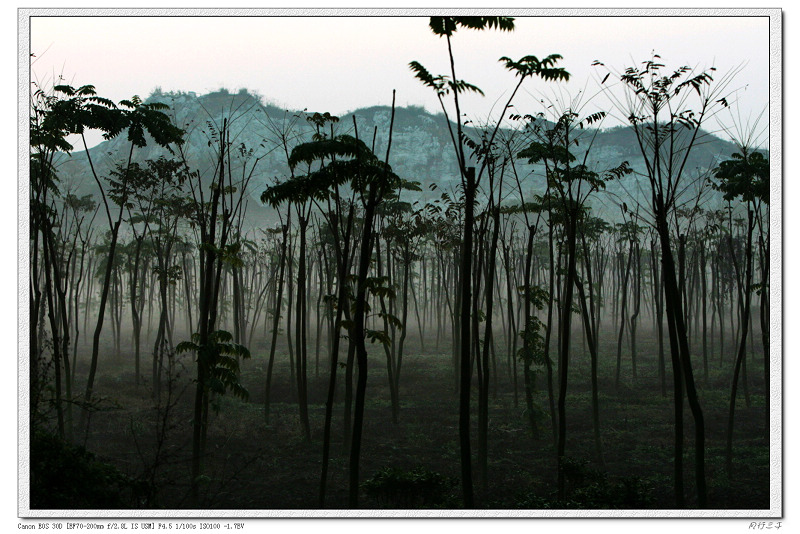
x=637 y=278
x=483 y=397
x=623 y=273
x=676 y=319
x=744 y=307
x=301 y=359
x=359 y=321
x=465 y=339
x=703 y=311
x=359 y=335
x=564 y=339
x=343 y=266
x=658 y=305
x=592 y=339
x=277 y=316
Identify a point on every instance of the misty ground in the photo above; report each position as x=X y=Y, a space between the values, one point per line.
x=254 y=466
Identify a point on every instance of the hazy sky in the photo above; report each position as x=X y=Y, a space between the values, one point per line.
x=339 y=64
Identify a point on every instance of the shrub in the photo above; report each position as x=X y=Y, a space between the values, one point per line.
x=67 y=477
x=418 y=488
x=591 y=489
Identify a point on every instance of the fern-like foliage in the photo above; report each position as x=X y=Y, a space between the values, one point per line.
x=74 y=110
x=342 y=146
x=220 y=358
x=531 y=65
x=347 y=160
x=436 y=83
x=448 y=25
x=442 y=84
x=538 y=151
x=745 y=175
x=593 y=227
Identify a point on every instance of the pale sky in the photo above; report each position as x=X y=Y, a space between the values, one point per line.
x=339 y=64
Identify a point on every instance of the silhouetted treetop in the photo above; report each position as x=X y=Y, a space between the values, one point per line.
x=449 y=25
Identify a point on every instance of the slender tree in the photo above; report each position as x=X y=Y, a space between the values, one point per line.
x=667 y=129
x=215 y=211
x=443 y=85
x=745 y=176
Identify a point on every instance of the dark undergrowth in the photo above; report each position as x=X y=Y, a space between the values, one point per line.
x=142 y=459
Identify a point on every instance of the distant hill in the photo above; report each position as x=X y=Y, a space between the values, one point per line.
x=422 y=149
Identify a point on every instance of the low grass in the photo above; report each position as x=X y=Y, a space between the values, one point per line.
x=254 y=466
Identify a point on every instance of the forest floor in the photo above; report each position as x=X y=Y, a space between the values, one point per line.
x=251 y=465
